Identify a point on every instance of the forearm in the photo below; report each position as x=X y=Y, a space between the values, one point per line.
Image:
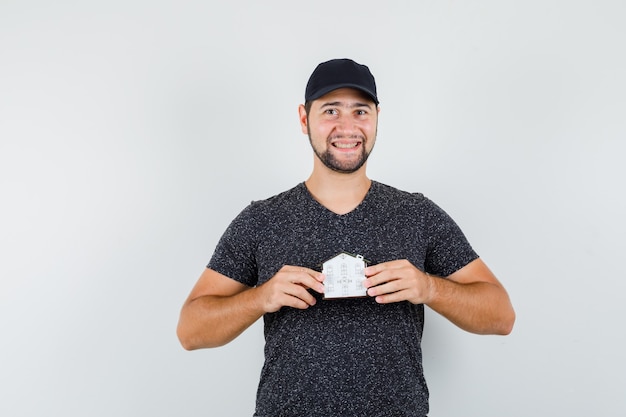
x=477 y=307
x=211 y=321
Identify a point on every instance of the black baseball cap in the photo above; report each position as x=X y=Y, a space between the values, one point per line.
x=340 y=73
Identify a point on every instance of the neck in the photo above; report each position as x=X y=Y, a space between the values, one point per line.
x=338 y=192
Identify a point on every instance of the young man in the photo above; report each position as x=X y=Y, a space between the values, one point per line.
x=357 y=356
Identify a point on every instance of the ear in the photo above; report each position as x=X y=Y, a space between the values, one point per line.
x=303 y=119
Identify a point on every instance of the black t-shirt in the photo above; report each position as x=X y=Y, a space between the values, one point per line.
x=344 y=356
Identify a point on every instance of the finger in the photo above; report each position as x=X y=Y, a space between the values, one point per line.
x=309 y=282
x=394 y=297
x=311 y=272
x=281 y=293
x=303 y=271
x=306 y=277
x=297 y=283
x=295 y=302
x=400 y=290
x=386 y=288
x=301 y=302
x=300 y=293
x=381 y=277
x=375 y=269
x=384 y=266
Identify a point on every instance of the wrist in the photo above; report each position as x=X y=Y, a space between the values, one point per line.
x=431 y=288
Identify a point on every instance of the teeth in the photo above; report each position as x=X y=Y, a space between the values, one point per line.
x=346 y=145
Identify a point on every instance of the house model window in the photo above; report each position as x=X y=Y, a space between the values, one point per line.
x=344 y=276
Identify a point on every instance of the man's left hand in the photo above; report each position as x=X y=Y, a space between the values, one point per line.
x=400 y=280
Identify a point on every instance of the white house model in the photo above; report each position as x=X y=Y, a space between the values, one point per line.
x=344 y=276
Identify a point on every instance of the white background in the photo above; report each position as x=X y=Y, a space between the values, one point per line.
x=132 y=132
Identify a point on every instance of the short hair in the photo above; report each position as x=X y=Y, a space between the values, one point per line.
x=307 y=107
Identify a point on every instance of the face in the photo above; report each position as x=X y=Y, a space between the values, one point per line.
x=342 y=128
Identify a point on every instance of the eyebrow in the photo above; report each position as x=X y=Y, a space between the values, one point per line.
x=350 y=106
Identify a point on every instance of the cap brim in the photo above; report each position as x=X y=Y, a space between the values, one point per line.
x=334 y=87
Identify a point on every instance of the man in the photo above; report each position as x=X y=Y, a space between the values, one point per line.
x=350 y=356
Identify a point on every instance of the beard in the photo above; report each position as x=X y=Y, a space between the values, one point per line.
x=331 y=162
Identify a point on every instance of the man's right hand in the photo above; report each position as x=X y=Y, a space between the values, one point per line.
x=289 y=288
x=220 y=308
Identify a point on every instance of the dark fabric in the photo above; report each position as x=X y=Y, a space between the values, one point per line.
x=339 y=73
x=349 y=357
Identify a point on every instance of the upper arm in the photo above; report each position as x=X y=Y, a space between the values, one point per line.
x=475 y=271
x=213 y=283
x=201 y=322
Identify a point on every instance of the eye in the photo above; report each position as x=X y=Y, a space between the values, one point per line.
x=361 y=112
x=331 y=111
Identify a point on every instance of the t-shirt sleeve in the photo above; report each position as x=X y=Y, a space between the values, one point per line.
x=234 y=255
x=448 y=249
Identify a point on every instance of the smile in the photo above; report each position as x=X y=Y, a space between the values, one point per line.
x=349 y=145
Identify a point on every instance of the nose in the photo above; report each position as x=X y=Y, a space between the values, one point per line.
x=346 y=126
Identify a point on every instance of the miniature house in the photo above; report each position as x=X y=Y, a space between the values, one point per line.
x=344 y=276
